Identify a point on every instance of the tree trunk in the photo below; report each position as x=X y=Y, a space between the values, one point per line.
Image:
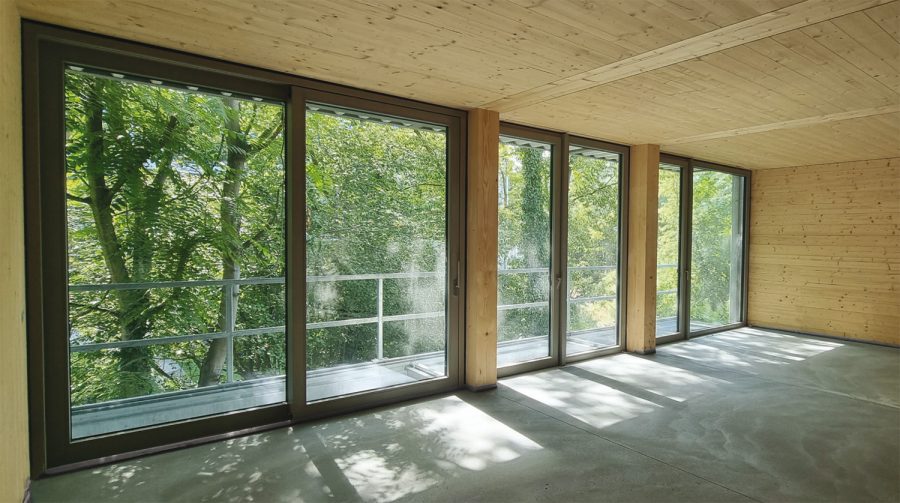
x=134 y=363
x=230 y=218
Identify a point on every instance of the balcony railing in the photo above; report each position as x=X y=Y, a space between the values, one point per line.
x=230 y=332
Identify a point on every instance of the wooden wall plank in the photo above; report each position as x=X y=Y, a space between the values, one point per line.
x=481 y=244
x=14 y=460
x=825 y=249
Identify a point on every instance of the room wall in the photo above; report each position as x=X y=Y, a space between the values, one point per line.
x=825 y=249
x=13 y=387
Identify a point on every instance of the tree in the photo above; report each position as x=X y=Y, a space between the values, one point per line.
x=238 y=148
x=146 y=167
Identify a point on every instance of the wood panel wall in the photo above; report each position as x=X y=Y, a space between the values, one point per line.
x=825 y=249
x=13 y=387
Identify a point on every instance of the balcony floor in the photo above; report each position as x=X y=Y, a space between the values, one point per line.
x=347 y=379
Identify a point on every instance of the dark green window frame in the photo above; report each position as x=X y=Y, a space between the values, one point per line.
x=46 y=52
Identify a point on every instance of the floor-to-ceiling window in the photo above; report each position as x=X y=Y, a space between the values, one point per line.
x=559 y=248
x=717 y=248
x=524 y=250
x=701 y=247
x=213 y=248
x=593 y=251
x=175 y=213
x=668 y=251
x=376 y=251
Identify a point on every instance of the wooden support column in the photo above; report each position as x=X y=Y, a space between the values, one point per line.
x=481 y=245
x=643 y=205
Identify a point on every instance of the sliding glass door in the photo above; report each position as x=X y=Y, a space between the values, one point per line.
x=212 y=250
x=524 y=249
x=717 y=249
x=559 y=255
x=701 y=248
x=668 y=250
x=593 y=266
x=376 y=251
x=175 y=225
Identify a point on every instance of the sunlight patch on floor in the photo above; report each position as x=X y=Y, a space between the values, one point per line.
x=424 y=441
x=664 y=380
x=593 y=403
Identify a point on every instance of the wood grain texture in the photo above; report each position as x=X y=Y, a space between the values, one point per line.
x=790 y=124
x=825 y=249
x=643 y=205
x=481 y=244
x=722 y=74
x=797 y=98
x=772 y=23
x=462 y=53
x=13 y=382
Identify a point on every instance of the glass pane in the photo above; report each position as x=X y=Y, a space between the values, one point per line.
x=593 y=250
x=717 y=238
x=376 y=239
x=667 y=250
x=523 y=281
x=175 y=218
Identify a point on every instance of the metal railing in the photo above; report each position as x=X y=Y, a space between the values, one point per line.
x=229 y=331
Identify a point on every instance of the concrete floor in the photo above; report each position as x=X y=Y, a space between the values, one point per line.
x=739 y=416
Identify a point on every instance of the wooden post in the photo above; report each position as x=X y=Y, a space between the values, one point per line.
x=481 y=245
x=643 y=205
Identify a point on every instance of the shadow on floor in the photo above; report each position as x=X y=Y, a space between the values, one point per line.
x=747 y=414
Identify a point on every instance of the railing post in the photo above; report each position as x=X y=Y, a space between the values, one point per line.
x=380 y=295
x=229 y=331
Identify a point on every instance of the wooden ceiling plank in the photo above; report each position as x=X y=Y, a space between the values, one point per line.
x=888 y=18
x=833 y=65
x=406 y=41
x=794 y=71
x=433 y=57
x=606 y=21
x=757 y=99
x=484 y=28
x=869 y=47
x=772 y=23
x=189 y=32
x=781 y=80
x=849 y=140
x=516 y=14
x=827 y=76
x=790 y=124
x=872 y=37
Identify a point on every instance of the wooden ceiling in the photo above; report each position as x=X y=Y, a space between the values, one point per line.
x=753 y=83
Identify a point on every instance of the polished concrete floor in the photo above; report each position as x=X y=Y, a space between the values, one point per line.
x=746 y=415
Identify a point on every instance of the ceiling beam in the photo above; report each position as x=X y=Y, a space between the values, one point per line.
x=766 y=25
x=790 y=124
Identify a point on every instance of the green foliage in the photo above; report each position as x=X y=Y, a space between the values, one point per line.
x=376 y=203
x=524 y=240
x=146 y=168
x=168 y=185
x=669 y=212
x=593 y=240
x=715 y=248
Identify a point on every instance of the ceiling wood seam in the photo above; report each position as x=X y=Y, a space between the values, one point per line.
x=772 y=23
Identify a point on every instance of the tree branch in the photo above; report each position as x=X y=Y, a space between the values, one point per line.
x=72 y=197
x=162 y=372
x=266 y=138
